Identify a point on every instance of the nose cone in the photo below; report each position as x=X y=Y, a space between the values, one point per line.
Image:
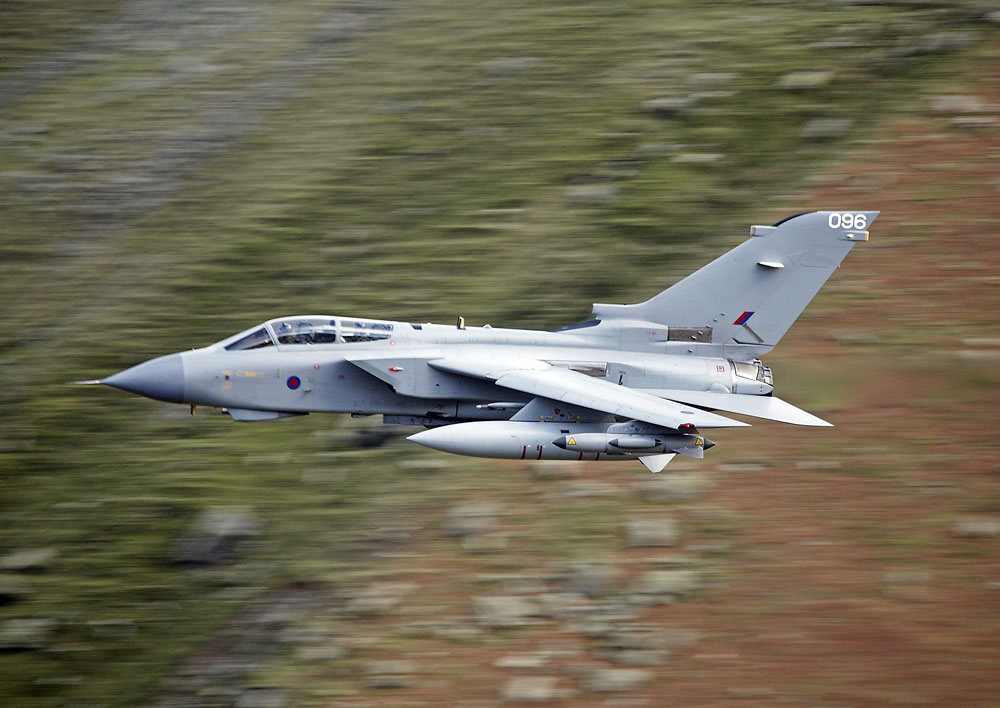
x=161 y=378
x=436 y=438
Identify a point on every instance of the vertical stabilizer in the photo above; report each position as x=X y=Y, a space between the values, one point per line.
x=753 y=293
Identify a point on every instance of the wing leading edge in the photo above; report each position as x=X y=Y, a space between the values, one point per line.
x=541 y=379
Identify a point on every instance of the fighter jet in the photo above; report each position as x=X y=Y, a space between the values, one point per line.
x=638 y=381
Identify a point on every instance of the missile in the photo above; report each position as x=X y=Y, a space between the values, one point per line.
x=527 y=440
x=692 y=445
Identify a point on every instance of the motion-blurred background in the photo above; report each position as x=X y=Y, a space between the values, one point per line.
x=175 y=171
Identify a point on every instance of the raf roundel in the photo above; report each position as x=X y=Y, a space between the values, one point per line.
x=294 y=382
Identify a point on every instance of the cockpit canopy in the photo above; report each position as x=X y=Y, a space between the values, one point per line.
x=310 y=330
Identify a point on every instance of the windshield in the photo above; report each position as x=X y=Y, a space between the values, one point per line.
x=255 y=340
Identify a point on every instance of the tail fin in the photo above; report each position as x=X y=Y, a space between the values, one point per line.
x=753 y=294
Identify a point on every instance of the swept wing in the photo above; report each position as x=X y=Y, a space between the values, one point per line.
x=542 y=379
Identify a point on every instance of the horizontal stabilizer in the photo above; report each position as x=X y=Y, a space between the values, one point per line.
x=769 y=407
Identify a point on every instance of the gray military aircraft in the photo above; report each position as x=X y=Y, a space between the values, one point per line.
x=636 y=382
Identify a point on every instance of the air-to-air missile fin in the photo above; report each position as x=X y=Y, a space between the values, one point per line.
x=768 y=407
x=655 y=463
x=752 y=294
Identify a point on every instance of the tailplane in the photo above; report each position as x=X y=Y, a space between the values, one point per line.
x=752 y=294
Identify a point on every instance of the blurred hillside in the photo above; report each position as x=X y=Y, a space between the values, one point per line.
x=173 y=172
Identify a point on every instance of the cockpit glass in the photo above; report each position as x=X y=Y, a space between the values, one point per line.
x=314 y=331
x=327 y=330
x=256 y=340
x=360 y=331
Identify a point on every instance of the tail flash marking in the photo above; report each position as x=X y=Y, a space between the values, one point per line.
x=742 y=319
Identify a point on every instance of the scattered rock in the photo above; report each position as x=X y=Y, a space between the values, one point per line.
x=262 y=698
x=958 y=104
x=664 y=585
x=111 y=629
x=470 y=520
x=504 y=611
x=804 y=80
x=32 y=560
x=508 y=66
x=592 y=193
x=532 y=688
x=561 y=605
x=607 y=680
x=936 y=43
x=219 y=534
x=485 y=543
x=651 y=532
x=373 y=436
x=826 y=128
x=312 y=633
x=28 y=130
x=321 y=652
x=670 y=107
x=534 y=660
x=30 y=634
x=378 y=597
x=906 y=584
x=389 y=674
x=715 y=78
x=12 y=589
x=974 y=122
x=636 y=647
x=671 y=487
x=698 y=158
x=585 y=490
x=976 y=527
x=591 y=579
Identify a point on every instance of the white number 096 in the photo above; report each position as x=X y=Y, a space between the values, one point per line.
x=847 y=221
